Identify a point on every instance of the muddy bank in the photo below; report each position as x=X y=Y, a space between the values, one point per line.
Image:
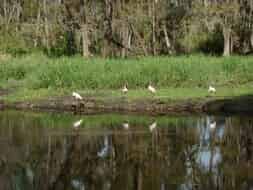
x=147 y=106
x=92 y=105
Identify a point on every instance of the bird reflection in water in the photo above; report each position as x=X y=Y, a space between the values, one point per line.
x=105 y=150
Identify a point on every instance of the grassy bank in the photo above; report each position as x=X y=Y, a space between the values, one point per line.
x=37 y=76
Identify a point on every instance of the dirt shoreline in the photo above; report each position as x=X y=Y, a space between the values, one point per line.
x=210 y=105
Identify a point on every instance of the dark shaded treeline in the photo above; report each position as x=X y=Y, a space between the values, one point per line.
x=126 y=27
x=182 y=154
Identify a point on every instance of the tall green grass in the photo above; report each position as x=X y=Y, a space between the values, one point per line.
x=38 y=71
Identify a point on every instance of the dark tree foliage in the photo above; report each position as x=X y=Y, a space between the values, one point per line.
x=126 y=27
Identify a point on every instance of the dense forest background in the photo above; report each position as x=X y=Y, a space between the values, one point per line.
x=126 y=27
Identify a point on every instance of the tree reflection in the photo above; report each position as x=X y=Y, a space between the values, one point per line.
x=187 y=154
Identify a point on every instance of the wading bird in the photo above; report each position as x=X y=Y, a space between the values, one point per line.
x=77 y=96
x=77 y=124
x=211 y=89
x=152 y=126
x=125 y=125
x=151 y=88
x=124 y=89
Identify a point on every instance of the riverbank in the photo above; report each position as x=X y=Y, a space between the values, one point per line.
x=37 y=81
x=152 y=105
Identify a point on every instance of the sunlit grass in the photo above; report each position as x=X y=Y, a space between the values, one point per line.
x=37 y=76
x=133 y=94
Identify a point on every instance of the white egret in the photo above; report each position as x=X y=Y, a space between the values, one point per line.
x=77 y=96
x=77 y=124
x=151 y=88
x=124 y=89
x=125 y=125
x=152 y=126
x=211 y=89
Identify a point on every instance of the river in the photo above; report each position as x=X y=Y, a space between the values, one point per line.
x=44 y=151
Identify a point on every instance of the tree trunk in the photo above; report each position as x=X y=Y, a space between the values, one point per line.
x=46 y=36
x=5 y=14
x=36 y=38
x=251 y=40
x=108 y=49
x=84 y=29
x=5 y=9
x=130 y=34
x=140 y=40
x=126 y=40
x=167 y=40
x=85 y=41
x=154 y=27
x=227 y=41
x=18 y=14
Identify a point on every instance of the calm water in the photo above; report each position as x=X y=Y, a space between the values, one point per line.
x=110 y=152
